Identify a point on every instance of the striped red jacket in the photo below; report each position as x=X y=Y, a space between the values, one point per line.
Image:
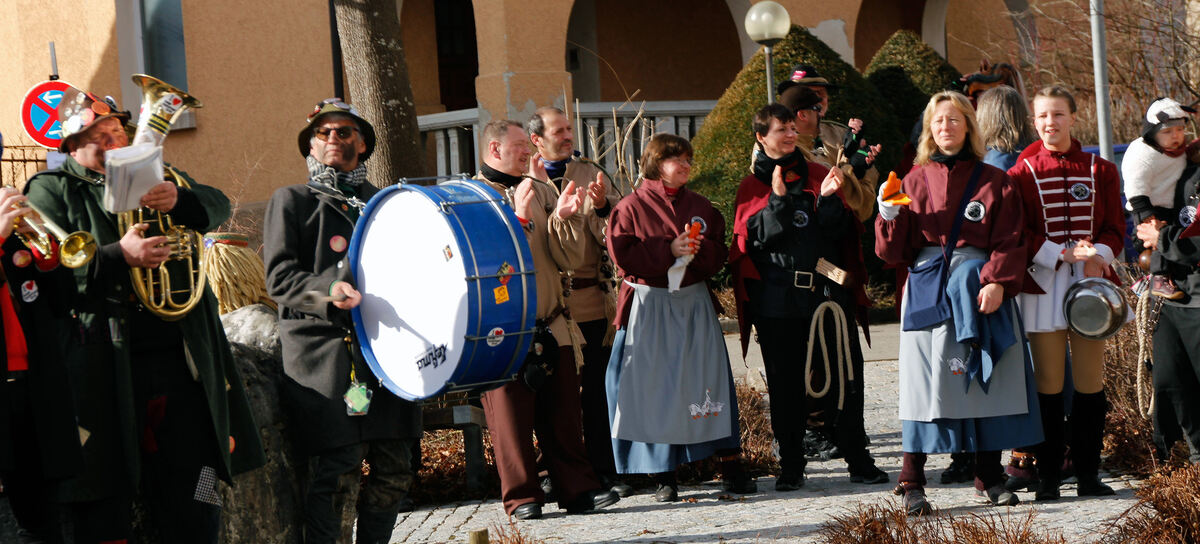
x=1068 y=196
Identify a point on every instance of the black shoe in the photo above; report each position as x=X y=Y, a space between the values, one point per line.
x=869 y=475
x=915 y=503
x=739 y=482
x=548 y=489
x=529 y=510
x=592 y=500
x=818 y=446
x=1017 y=483
x=1047 y=491
x=1091 y=486
x=961 y=469
x=622 y=489
x=666 y=493
x=997 y=495
x=789 y=481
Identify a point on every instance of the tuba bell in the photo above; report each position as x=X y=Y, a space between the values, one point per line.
x=173 y=288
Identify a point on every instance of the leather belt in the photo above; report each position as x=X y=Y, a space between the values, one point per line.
x=583 y=283
x=14 y=375
x=802 y=280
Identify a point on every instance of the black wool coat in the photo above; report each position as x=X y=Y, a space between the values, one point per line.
x=39 y=312
x=306 y=238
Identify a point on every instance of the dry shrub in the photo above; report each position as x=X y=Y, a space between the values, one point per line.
x=1167 y=512
x=887 y=524
x=1128 y=443
x=511 y=534
x=442 y=475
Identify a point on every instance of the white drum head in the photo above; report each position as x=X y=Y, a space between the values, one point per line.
x=414 y=308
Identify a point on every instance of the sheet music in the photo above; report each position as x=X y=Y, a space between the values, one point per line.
x=131 y=172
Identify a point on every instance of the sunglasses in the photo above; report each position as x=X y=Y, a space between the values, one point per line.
x=343 y=133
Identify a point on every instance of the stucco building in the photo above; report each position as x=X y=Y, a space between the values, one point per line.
x=259 y=66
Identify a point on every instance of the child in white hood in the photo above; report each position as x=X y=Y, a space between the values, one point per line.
x=1151 y=167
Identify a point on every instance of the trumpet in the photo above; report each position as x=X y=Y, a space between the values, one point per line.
x=74 y=249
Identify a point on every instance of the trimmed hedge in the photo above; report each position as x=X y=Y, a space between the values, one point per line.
x=723 y=145
x=906 y=72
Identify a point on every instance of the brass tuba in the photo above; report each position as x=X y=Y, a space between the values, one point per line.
x=173 y=288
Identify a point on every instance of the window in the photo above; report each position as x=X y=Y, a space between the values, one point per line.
x=150 y=41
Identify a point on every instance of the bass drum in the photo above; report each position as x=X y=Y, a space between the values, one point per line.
x=449 y=297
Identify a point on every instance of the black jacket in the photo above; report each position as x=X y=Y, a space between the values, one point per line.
x=791 y=234
x=1182 y=255
x=38 y=311
x=299 y=226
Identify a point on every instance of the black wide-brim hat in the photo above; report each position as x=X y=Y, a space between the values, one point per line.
x=806 y=75
x=331 y=106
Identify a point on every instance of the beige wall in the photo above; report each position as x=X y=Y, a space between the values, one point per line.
x=87 y=52
x=978 y=30
x=260 y=66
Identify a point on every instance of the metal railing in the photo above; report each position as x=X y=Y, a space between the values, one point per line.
x=21 y=162
x=598 y=126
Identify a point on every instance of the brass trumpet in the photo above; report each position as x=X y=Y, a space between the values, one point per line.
x=172 y=289
x=74 y=249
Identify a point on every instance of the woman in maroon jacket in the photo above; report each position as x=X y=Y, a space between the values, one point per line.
x=1074 y=226
x=670 y=389
x=966 y=382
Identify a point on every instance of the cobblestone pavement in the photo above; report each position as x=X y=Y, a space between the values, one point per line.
x=706 y=514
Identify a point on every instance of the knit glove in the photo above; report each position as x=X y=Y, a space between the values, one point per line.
x=887 y=211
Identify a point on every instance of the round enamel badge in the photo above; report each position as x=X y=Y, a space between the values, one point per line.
x=21 y=258
x=703 y=224
x=1080 y=191
x=800 y=219
x=338 y=243
x=29 y=291
x=1187 y=215
x=975 y=211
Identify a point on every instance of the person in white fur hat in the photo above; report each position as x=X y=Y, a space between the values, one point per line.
x=1151 y=167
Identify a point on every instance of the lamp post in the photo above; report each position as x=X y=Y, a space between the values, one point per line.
x=767 y=23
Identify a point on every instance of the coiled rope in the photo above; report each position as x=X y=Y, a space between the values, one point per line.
x=1146 y=314
x=842 y=343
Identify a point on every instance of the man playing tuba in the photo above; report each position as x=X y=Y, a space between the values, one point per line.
x=160 y=402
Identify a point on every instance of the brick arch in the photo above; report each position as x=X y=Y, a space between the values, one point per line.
x=877 y=20
x=669 y=49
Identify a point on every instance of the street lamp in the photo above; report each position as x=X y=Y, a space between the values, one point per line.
x=767 y=23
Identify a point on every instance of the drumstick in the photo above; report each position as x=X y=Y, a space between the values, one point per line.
x=313 y=300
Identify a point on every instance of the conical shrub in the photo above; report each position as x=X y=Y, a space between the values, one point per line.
x=906 y=72
x=723 y=145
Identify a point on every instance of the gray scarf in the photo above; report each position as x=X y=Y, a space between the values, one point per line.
x=343 y=182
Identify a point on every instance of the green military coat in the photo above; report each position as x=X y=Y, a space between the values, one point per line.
x=72 y=196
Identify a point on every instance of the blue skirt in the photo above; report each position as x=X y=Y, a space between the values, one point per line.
x=649 y=458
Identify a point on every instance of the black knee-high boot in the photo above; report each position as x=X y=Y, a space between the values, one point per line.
x=1050 y=451
x=1087 y=438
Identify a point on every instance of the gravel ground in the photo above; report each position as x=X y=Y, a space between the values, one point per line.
x=706 y=514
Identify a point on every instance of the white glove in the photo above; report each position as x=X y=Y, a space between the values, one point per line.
x=887 y=211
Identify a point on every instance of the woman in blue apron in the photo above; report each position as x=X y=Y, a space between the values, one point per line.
x=966 y=379
x=670 y=391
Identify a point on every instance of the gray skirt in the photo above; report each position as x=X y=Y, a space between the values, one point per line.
x=673 y=383
x=932 y=363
